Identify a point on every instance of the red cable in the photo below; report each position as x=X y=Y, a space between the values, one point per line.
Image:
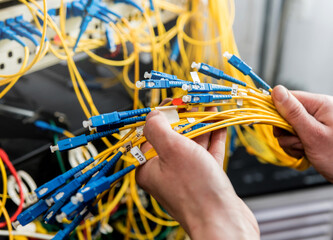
x=5 y=159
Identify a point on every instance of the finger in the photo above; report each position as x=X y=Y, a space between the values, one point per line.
x=278 y=132
x=204 y=139
x=165 y=101
x=145 y=147
x=290 y=142
x=217 y=145
x=294 y=112
x=147 y=174
x=161 y=136
x=294 y=153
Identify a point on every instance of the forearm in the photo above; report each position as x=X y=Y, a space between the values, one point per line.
x=230 y=220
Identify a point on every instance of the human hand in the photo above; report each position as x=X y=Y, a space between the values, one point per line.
x=311 y=116
x=190 y=184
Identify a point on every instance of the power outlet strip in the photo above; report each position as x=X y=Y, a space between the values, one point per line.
x=12 y=54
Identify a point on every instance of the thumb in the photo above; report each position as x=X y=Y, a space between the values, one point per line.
x=161 y=136
x=293 y=112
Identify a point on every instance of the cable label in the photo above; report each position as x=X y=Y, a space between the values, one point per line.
x=138 y=155
x=128 y=146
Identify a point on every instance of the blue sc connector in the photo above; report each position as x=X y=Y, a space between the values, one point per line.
x=7 y=33
x=205 y=87
x=50 y=186
x=197 y=126
x=121 y=123
x=63 y=195
x=97 y=187
x=46 y=126
x=31 y=213
x=114 y=117
x=27 y=25
x=10 y=22
x=110 y=44
x=159 y=84
x=75 y=184
x=155 y=75
x=89 y=9
x=204 y=98
x=74 y=142
x=245 y=69
x=64 y=234
x=174 y=50
x=215 y=73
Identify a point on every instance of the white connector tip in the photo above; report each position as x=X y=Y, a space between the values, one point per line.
x=195 y=65
x=74 y=200
x=49 y=201
x=87 y=123
x=147 y=75
x=16 y=224
x=186 y=98
x=79 y=197
x=227 y=55
x=185 y=87
x=54 y=148
x=139 y=84
x=60 y=217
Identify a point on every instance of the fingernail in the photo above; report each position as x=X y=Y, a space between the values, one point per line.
x=281 y=94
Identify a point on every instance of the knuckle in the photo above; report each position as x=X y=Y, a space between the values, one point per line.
x=295 y=112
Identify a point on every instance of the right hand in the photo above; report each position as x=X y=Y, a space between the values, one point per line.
x=311 y=116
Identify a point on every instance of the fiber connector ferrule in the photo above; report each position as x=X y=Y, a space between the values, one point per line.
x=48 y=187
x=159 y=84
x=204 y=98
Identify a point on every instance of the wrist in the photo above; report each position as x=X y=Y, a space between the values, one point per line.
x=230 y=218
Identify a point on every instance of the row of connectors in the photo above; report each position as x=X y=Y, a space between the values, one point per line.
x=65 y=196
x=17 y=28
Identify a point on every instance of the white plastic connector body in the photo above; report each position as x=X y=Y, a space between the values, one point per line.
x=139 y=84
x=147 y=75
x=49 y=201
x=186 y=98
x=16 y=224
x=227 y=55
x=186 y=87
x=87 y=123
x=54 y=148
x=60 y=217
x=195 y=65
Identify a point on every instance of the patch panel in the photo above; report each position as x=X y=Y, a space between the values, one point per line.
x=12 y=54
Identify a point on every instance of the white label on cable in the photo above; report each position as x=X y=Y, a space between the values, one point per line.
x=195 y=77
x=234 y=89
x=191 y=120
x=139 y=131
x=138 y=155
x=128 y=146
x=240 y=101
x=170 y=112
